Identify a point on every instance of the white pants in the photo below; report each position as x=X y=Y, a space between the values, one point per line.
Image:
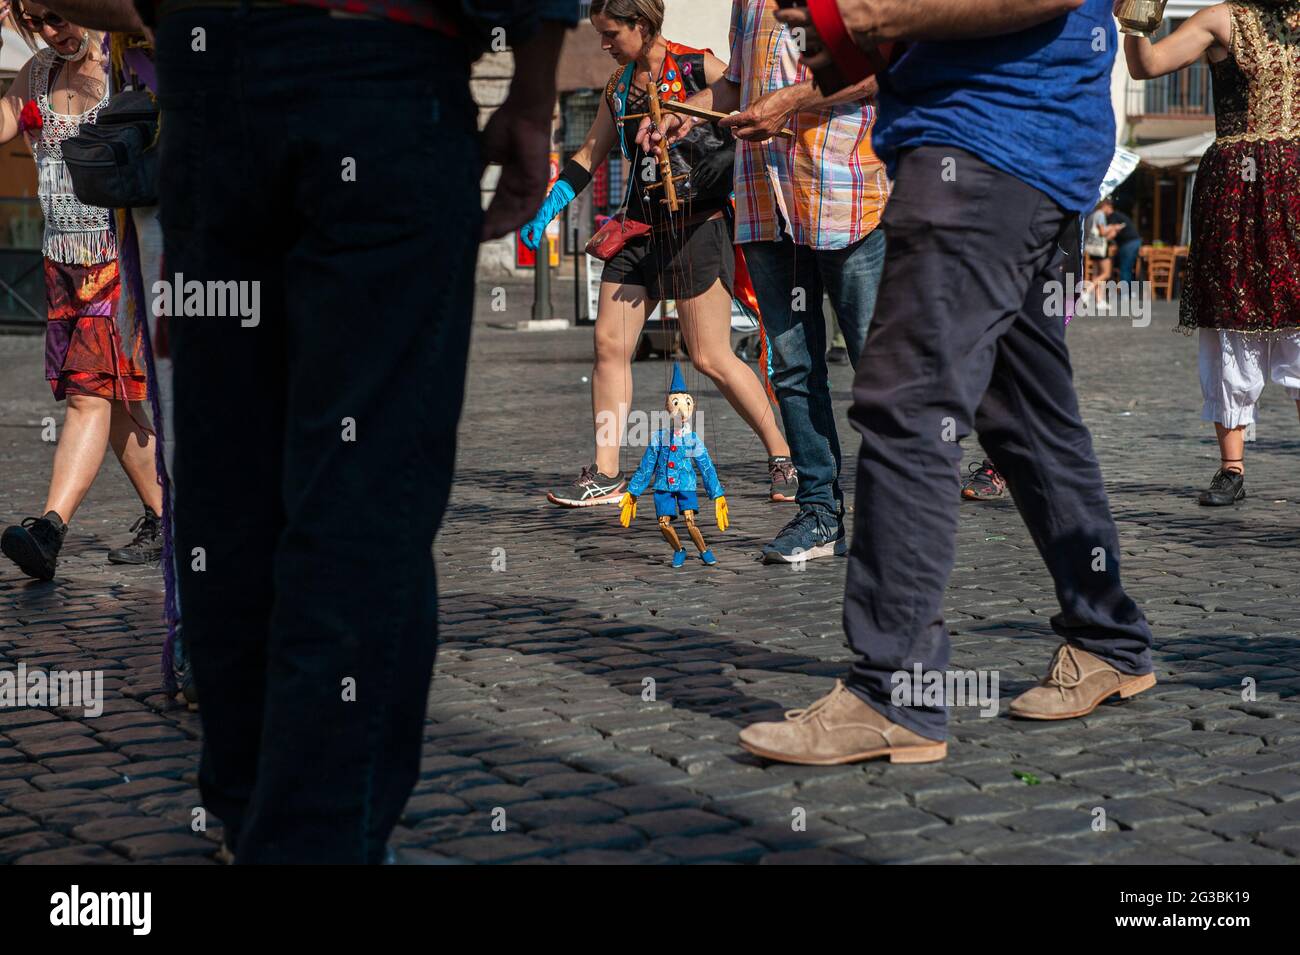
x=1235 y=367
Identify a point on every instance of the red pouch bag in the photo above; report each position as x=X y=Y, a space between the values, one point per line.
x=607 y=241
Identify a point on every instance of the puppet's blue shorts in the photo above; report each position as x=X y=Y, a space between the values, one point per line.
x=672 y=503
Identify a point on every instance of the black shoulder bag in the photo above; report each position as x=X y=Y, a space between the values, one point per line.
x=113 y=161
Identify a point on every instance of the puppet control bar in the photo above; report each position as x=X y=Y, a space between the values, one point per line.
x=656 y=107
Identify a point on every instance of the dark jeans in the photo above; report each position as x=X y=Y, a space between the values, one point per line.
x=314 y=449
x=851 y=278
x=962 y=339
x=1126 y=259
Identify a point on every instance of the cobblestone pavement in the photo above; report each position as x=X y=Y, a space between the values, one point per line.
x=537 y=718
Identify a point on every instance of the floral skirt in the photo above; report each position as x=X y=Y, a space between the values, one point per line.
x=1243 y=268
x=85 y=352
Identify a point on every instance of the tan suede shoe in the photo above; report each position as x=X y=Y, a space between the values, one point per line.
x=838 y=728
x=1076 y=683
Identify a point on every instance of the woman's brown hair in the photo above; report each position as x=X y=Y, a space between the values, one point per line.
x=633 y=12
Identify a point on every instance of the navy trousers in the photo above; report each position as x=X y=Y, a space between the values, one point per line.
x=963 y=339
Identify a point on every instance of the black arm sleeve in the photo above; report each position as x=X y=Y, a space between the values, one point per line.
x=575 y=176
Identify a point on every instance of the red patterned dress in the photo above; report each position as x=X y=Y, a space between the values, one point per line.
x=1243 y=270
x=86 y=352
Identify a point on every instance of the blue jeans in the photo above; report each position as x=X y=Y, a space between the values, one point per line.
x=314 y=448
x=851 y=278
x=1126 y=258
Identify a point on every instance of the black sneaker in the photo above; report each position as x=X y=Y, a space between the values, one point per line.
x=984 y=483
x=783 y=478
x=838 y=355
x=34 y=544
x=1227 y=488
x=184 y=672
x=148 y=544
x=591 y=487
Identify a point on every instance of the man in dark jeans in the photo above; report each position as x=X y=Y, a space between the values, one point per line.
x=1128 y=241
x=998 y=139
x=330 y=164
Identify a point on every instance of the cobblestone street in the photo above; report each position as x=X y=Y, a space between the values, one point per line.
x=552 y=619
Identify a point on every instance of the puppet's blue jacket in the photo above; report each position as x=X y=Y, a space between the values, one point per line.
x=667 y=465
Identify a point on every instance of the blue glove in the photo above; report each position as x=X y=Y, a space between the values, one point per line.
x=561 y=195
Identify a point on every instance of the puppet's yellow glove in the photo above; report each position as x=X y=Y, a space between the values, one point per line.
x=626 y=510
x=720 y=512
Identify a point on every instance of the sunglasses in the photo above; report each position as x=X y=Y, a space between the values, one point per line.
x=50 y=19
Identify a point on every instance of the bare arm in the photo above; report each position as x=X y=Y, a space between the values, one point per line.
x=11 y=106
x=1207 y=29
x=99 y=14
x=600 y=140
x=805 y=95
x=763 y=118
x=879 y=20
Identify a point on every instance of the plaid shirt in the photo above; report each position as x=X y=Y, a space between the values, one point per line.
x=826 y=183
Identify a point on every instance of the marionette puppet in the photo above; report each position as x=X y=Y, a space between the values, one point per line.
x=669 y=465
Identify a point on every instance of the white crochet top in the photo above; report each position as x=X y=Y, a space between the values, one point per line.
x=74 y=232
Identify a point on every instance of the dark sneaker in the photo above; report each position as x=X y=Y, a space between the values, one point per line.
x=34 y=544
x=1227 y=488
x=784 y=480
x=591 y=487
x=810 y=535
x=984 y=483
x=148 y=544
x=838 y=355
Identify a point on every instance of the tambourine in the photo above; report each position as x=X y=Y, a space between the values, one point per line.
x=850 y=62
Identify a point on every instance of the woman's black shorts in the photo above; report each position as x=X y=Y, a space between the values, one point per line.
x=676 y=265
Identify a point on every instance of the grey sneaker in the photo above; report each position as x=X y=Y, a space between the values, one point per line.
x=810 y=535
x=590 y=488
x=784 y=480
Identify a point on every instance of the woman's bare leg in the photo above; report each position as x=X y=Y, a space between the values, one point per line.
x=79 y=454
x=134 y=448
x=1232 y=447
x=706 y=323
x=619 y=320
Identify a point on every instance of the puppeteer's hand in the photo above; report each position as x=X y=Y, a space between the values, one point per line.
x=720 y=512
x=627 y=510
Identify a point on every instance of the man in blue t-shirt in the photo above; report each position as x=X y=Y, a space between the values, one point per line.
x=996 y=124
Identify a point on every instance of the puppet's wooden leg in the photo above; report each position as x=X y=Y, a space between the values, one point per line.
x=670 y=535
x=694 y=531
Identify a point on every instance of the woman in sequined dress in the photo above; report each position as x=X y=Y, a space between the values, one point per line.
x=1242 y=290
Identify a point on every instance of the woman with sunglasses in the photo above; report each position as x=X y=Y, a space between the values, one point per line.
x=689 y=259
x=97 y=367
